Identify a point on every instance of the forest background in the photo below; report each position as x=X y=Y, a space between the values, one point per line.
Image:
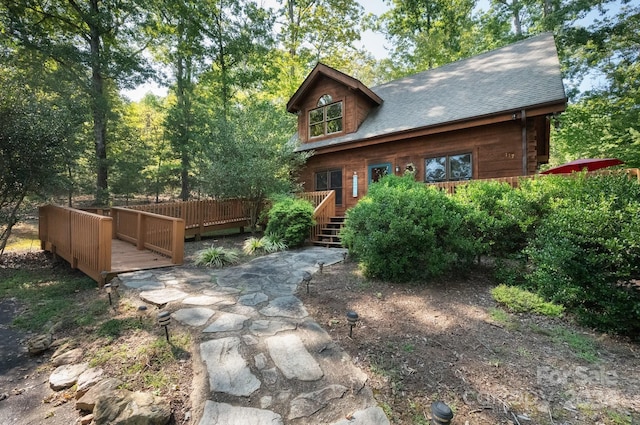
x=230 y=66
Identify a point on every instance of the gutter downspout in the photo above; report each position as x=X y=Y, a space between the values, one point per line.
x=523 y=122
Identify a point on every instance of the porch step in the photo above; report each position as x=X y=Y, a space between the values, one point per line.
x=330 y=233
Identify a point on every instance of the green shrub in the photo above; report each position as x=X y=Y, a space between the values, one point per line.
x=586 y=252
x=522 y=301
x=290 y=221
x=403 y=230
x=216 y=257
x=491 y=218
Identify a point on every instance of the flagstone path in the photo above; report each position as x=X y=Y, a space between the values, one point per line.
x=267 y=361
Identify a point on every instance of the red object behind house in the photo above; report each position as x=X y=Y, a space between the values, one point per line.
x=590 y=164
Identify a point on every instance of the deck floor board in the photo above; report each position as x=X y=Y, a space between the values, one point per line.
x=125 y=257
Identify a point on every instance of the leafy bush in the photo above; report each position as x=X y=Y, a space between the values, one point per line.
x=522 y=301
x=216 y=257
x=490 y=216
x=586 y=252
x=404 y=230
x=290 y=221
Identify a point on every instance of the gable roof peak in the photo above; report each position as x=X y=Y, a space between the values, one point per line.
x=293 y=105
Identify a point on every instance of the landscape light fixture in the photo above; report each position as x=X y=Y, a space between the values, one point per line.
x=352 y=318
x=344 y=256
x=441 y=414
x=107 y=288
x=320 y=265
x=164 y=319
x=306 y=278
x=142 y=310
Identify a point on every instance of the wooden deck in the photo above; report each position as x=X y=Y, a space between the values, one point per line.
x=125 y=257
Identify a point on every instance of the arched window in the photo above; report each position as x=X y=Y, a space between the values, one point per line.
x=326 y=118
x=325 y=99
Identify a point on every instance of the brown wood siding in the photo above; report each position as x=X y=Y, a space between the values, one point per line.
x=354 y=108
x=496 y=151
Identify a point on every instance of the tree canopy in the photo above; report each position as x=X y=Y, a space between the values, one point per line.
x=231 y=65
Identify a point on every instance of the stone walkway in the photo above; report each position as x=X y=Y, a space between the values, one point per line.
x=267 y=361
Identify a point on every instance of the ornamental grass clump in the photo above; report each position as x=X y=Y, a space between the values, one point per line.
x=216 y=257
x=268 y=243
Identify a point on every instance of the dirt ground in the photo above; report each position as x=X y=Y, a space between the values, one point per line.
x=440 y=341
x=418 y=344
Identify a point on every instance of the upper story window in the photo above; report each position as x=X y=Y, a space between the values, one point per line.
x=326 y=118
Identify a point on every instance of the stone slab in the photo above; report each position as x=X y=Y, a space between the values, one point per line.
x=88 y=379
x=292 y=358
x=226 y=414
x=68 y=357
x=197 y=316
x=135 y=275
x=227 y=322
x=206 y=300
x=288 y=306
x=163 y=296
x=146 y=285
x=253 y=299
x=370 y=416
x=88 y=400
x=307 y=404
x=228 y=371
x=66 y=376
x=270 y=327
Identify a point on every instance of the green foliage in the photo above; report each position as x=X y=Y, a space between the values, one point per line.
x=112 y=329
x=492 y=215
x=273 y=243
x=586 y=252
x=290 y=220
x=216 y=257
x=582 y=345
x=520 y=300
x=47 y=293
x=403 y=230
x=268 y=243
x=254 y=161
x=34 y=132
x=252 y=245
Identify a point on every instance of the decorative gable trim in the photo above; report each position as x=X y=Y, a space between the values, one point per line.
x=293 y=106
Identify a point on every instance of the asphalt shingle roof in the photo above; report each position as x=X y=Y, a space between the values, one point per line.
x=514 y=77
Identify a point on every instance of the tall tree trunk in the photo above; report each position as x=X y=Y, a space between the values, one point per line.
x=98 y=105
x=184 y=104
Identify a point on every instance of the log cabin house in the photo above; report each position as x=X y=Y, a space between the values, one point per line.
x=483 y=117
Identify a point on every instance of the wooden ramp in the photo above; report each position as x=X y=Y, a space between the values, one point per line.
x=125 y=257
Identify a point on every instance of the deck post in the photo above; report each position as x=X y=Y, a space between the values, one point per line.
x=177 y=249
x=141 y=231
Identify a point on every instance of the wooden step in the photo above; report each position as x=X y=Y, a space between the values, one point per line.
x=330 y=233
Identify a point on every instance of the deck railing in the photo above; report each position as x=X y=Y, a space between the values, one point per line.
x=450 y=187
x=325 y=208
x=201 y=216
x=155 y=232
x=81 y=238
